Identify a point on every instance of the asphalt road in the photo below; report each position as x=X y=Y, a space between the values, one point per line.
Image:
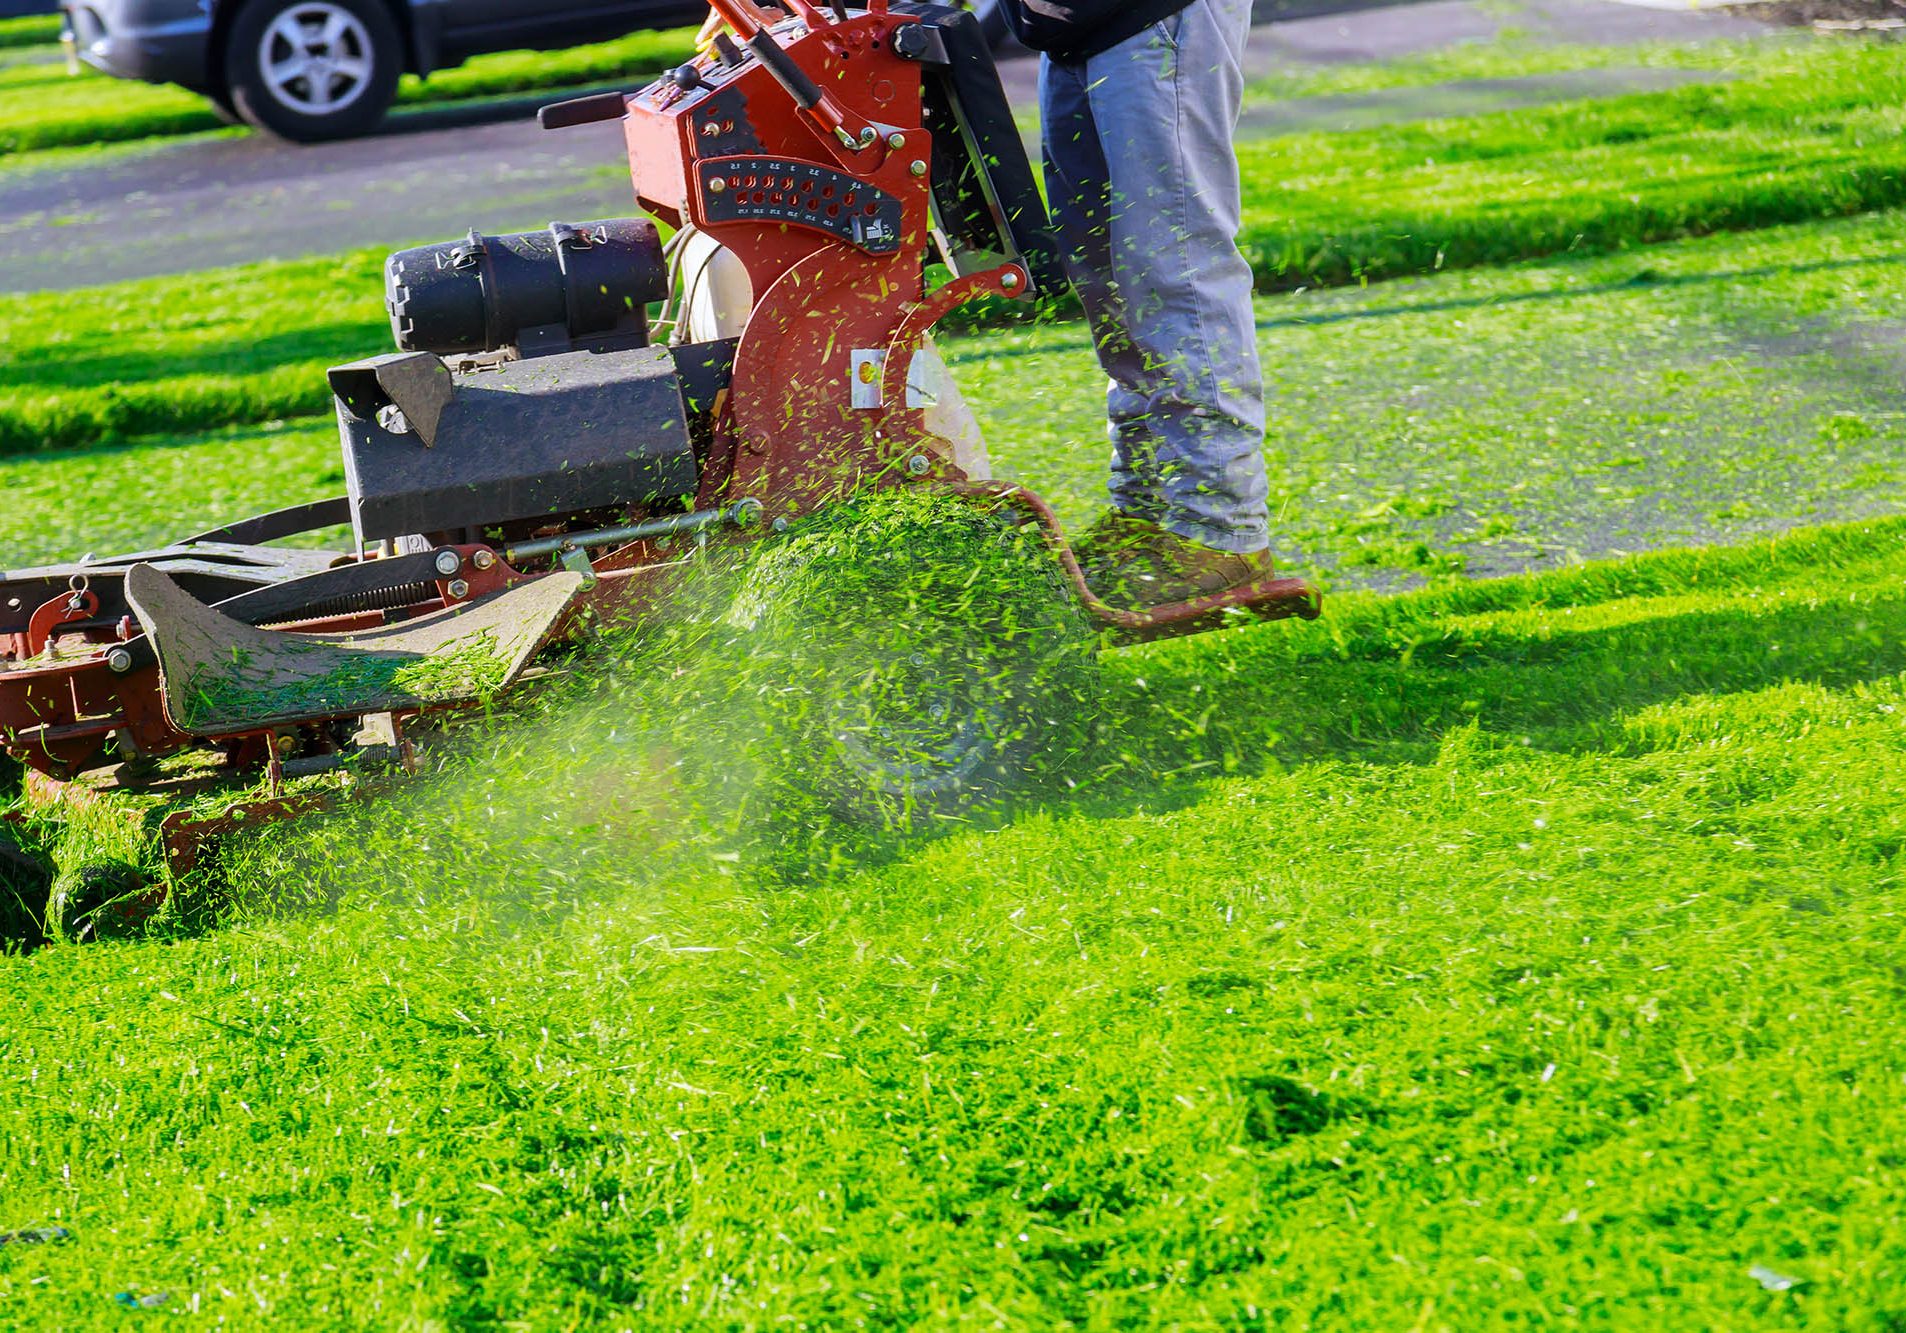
x=182 y=206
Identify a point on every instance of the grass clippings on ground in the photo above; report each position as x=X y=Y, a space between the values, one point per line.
x=1546 y=921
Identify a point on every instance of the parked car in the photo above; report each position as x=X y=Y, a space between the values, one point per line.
x=307 y=70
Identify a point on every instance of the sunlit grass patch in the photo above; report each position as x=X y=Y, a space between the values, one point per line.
x=1515 y=56
x=1551 y=920
x=1505 y=419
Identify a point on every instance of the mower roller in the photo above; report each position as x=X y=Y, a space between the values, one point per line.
x=534 y=459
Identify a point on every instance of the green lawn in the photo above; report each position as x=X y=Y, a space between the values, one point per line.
x=1506 y=953
x=1522 y=953
x=1501 y=419
x=242 y=344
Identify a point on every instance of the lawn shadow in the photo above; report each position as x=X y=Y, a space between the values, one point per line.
x=74 y=366
x=1391 y=697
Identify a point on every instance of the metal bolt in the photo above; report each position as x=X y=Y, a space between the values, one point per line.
x=120 y=660
x=458 y=590
x=448 y=563
x=918 y=465
x=896 y=140
x=917 y=167
x=1009 y=280
x=484 y=559
x=780 y=524
x=716 y=185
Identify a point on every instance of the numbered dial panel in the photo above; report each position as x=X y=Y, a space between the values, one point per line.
x=801 y=194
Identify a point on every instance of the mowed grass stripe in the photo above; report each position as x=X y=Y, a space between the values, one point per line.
x=1569 y=1005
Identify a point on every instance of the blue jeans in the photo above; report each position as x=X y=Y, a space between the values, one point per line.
x=1142 y=177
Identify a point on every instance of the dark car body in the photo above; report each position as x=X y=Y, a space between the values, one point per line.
x=184 y=41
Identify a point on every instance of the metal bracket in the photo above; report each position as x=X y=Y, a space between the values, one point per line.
x=575 y=559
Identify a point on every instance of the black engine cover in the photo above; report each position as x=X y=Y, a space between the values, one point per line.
x=544 y=436
x=538 y=290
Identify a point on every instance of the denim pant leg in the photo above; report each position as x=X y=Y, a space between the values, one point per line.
x=1143 y=179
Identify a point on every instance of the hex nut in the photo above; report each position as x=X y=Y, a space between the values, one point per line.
x=484 y=559
x=119 y=660
x=458 y=590
x=918 y=465
x=917 y=167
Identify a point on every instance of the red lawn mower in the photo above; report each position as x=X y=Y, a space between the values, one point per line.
x=532 y=460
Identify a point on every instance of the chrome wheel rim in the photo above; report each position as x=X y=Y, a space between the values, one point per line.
x=316 y=58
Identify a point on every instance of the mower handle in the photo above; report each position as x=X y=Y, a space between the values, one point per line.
x=755 y=28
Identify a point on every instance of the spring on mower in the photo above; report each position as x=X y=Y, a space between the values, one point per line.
x=358 y=603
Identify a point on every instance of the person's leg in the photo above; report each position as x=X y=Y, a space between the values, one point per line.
x=1177 y=333
x=1079 y=192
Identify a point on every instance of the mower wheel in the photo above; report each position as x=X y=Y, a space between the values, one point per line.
x=917 y=655
x=308 y=70
x=99 y=900
x=222 y=107
x=25 y=882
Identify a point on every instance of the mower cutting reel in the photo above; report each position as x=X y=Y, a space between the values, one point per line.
x=531 y=462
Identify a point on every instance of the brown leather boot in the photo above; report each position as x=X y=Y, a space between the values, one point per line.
x=1159 y=567
x=1109 y=539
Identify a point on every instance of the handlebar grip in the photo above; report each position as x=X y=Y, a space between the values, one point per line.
x=582 y=110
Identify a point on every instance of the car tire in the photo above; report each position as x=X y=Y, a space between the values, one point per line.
x=222 y=107
x=309 y=70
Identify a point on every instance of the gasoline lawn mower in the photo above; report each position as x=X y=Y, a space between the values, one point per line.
x=534 y=461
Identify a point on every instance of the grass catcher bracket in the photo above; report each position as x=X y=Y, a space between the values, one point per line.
x=220 y=676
